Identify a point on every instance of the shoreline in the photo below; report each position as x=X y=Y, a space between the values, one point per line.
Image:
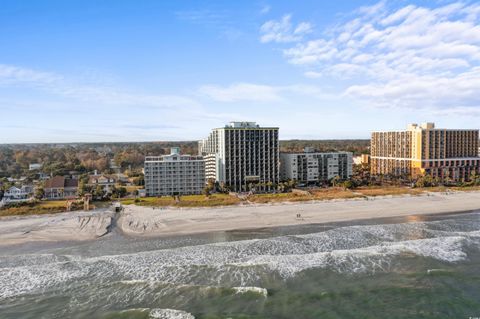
x=159 y=222
x=151 y=222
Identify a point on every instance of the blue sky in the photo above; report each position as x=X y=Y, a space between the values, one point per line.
x=73 y=71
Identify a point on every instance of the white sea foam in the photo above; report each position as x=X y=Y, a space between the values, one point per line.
x=244 y=263
x=170 y=314
x=261 y=291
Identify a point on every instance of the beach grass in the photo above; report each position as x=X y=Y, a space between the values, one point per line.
x=37 y=208
x=185 y=201
x=386 y=191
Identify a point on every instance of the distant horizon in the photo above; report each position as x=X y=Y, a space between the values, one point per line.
x=179 y=141
x=156 y=70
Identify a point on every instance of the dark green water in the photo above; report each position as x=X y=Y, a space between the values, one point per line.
x=425 y=267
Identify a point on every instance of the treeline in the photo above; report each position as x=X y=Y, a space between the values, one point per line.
x=357 y=147
x=62 y=159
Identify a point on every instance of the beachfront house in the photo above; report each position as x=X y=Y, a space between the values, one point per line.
x=61 y=187
x=107 y=182
x=16 y=195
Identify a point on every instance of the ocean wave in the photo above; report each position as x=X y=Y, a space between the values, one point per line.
x=257 y=290
x=247 y=263
x=170 y=314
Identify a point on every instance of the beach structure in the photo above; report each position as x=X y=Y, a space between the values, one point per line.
x=242 y=156
x=312 y=167
x=174 y=174
x=424 y=149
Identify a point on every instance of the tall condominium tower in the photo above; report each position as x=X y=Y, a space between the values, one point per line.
x=423 y=149
x=242 y=156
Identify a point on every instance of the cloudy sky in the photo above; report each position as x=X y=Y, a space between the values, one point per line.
x=73 y=71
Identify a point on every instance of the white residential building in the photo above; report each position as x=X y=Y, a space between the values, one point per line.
x=242 y=155
x=313 y=167
x=174 y=174
x=34 y=166
x=15 y=194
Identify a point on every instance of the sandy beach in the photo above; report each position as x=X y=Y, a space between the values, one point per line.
x=155 y=222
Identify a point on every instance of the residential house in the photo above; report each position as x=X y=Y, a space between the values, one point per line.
x=34 y=166
x=107 y=182
x=15 y=194
x=61 y=187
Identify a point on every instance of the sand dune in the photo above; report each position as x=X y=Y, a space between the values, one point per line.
x=78 y=225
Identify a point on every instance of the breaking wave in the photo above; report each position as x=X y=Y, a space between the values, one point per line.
x=244 y=265
x=170 y=314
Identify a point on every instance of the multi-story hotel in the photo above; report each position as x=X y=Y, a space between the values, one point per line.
x=174 y=174
x=423 y=149
x=242 y=155
x=314 y=167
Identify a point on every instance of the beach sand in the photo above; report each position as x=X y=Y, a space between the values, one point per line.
x=78 y=225
x=156 y=222
x=147 y=221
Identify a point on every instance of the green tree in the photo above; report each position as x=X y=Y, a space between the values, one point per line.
x=99 y=192
x=348 y=185
x=39 y=192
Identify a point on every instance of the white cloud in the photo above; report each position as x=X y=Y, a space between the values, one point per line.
x=238 y=92
x=410 y=56
x=312 y=74
x=283 y=30
x=265 y=9
x=10 y=74
x=241 y=92
x=66 y=87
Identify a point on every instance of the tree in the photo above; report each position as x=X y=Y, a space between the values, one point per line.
x=39 y=192
x=334 y=181
x=119 y=192
x=474 y=177
x=348 y=185
x=82 y=188
x=425 y=181
x=99 y=192
x=207 y=190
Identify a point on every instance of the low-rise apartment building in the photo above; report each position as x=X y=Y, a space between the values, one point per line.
x=314 y=167
x=174 y=174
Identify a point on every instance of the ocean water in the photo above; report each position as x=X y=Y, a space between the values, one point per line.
x=415 y=267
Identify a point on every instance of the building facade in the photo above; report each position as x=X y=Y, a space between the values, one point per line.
x=106 y=182
x=242 y=156
x=174 y=174
x=423 y=149
x=313 y=167
x=16 y=195
x=61 y=187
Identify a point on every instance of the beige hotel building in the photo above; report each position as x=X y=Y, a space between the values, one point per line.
x=424 y=149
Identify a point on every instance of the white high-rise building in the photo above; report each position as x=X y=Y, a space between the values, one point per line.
x=242 y=156
x=313 y=167
x=174 y=174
